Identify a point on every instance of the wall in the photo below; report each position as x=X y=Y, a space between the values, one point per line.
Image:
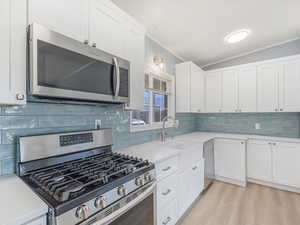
x=272 y=124
x=43 y=118
x=287 y=49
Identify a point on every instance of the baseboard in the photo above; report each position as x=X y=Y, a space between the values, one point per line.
x=273 y=185
x=231 y=181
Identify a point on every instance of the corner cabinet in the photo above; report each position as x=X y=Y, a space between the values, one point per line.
x=189 y=88
x=13 y=52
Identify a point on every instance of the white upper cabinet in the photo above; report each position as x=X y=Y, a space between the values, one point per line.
x=69 y=17
x=13 y=52
x=135 y=53
x=107 y=27
x=229 y=91
x=189 y=88
x=247 y=89
x=267 y=87
x=289 y=88
x=213 y=92
x=286 y=164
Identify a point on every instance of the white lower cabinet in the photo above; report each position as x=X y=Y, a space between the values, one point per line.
x=286 y=164
x=169 y=214
x=259 y=160
x=230 y=160
x=191 y=183
x=40 y=221
x=274 y=162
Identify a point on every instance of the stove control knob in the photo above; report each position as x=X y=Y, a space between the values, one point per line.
x=81 y=212
x=122 y=191
x=100 y=202
x=139 y=181
x=148 y=177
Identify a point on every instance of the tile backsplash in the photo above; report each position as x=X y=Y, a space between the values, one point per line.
x=44 y=118
x=272 y=124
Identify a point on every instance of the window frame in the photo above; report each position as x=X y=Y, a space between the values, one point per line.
x=171 y=100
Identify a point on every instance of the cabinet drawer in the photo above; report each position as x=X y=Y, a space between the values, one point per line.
x=166 y=168
x=168 y=215
x=166 y=190
x=39 y=221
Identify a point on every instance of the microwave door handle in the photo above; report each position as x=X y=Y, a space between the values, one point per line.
x=117 y=75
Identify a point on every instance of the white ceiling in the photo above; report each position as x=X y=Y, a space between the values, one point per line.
x=194 y=29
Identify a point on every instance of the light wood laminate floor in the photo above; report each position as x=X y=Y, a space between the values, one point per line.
x=225 y=204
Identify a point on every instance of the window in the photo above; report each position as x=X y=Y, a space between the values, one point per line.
x=158 y=102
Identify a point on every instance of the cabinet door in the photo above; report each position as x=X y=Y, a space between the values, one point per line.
x=286 y=164
x=213 y=92
x=259 y=160
x=13 y=52
x=267 y=88
x=183 y=88
x=247 y=89
x=230 y=159
x=69 y=17
x=106 y=28
x=229 y=91
x=197 y=89
x=135 y=52
x=289 y=81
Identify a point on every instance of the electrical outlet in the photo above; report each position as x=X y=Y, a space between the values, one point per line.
x=98 y=124
x=257 y=126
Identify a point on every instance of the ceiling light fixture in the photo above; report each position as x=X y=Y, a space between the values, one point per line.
x=237 y=36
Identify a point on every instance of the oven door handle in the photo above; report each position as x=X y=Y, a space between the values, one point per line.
x=107 y=220
x=117 y=77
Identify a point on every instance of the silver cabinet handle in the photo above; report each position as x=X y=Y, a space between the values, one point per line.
x=274 y=144
x=20 y=97
x=242 y=142
x=167 y=168
x=94 y=45
x=167 y=192
x=276 y=110
x=86 y=42
x=195 y=167
x=167 y=220
x=281 y=110
x=117 y=75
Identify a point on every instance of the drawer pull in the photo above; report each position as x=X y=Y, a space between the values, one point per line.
x=167 y=192
x=166 y=221
x=195 y=167
x=167 y=168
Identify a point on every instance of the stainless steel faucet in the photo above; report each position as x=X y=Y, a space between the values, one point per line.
x=163 y=135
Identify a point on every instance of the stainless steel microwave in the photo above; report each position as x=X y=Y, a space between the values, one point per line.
x=62 y=67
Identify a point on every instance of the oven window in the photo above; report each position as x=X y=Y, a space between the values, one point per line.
x=141 y=214
x=64 y=69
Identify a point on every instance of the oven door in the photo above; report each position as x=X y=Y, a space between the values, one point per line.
x=65 y=68
x=140 y=211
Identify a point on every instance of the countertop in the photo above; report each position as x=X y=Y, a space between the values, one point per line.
x=157 y=151
x=19 y=204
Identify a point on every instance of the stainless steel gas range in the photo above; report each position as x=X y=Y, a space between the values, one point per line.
x=84 y=182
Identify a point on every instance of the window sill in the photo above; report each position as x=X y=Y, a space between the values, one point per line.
x=155 y=126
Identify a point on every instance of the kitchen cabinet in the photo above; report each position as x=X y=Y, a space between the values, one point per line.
x=213 y=92
x=135 y=53
x=230 y=160
x=191 y=184
x=13 y=52
x=286 y=164
x=229 y=91
x=267 y=87
x=189 y=88
x=259 y=160
x=289 y=80
x=106 y=28
x=247 y=89
x=68 y=17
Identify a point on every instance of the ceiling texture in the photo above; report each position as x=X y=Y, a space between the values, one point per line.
x=195 y=29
